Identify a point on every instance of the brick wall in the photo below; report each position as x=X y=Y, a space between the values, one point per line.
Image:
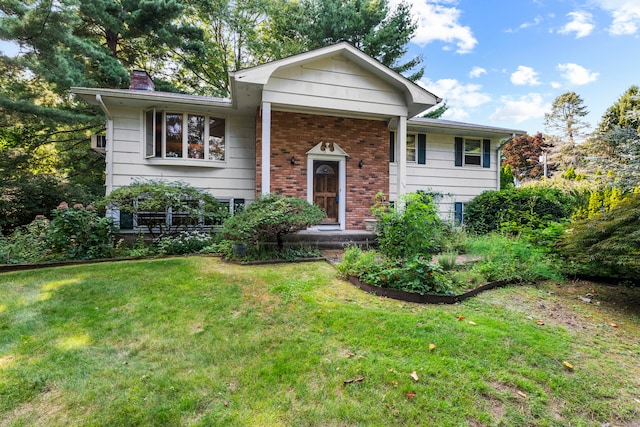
x=293 y=134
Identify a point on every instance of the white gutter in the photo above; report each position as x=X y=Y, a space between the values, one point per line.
x=109 y=145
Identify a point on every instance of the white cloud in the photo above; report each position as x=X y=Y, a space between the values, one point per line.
x=454 y=113
x=536 y=21
x=438 y=20
x=581 y=24
x=525 y=76
x=556 y=85
x=520 y=109
x=625 y=14
x=577 y=74
x=458 y=94
x=477 y=72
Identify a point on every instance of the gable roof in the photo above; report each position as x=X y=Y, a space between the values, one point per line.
x=417 y=98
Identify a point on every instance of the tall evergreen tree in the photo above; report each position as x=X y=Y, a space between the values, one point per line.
x=567 y=117
x=625 y=112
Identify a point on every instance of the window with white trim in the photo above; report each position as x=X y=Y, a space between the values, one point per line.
x=411 y=147
x=181 y=135
x=472 y=152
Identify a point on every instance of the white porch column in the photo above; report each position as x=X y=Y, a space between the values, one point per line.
x=266 y=147
x=401 y=161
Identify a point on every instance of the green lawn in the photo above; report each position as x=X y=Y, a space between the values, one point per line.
x=194 y=341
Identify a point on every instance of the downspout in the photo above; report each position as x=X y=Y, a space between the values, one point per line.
x=109 y=145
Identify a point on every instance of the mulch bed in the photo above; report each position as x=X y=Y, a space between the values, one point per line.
x=427 y=298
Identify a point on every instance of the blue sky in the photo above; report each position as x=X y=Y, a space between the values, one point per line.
x=503 y=62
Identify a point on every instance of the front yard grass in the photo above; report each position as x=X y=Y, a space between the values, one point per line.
x=194 y=341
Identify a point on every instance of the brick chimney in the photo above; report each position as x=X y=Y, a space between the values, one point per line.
x=140 y=80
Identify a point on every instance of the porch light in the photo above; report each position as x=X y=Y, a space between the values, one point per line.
x=293 y=160
x=360 y=164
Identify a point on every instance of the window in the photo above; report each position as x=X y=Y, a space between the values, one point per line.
x=411 y=148
x=458 y=213
x=416 y=148
x=176 y=135
x=472 y=152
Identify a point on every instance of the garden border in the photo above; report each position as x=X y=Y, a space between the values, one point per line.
x=426 y=298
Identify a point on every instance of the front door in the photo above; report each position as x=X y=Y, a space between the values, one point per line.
x=325 y=188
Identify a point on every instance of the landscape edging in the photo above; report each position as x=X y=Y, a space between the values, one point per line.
x=426 y=298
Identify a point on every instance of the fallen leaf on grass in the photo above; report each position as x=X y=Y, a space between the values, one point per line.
x=472 y=323
x=568 y=365
x=354 y=380
x=432 y=347
x=613 y=325
x=410 y=394
x=395 y=383
x=583 y=299
x=414 y=375
x=461 y=317
x=539 y=322
x=226 y=403
x=521 y=394
x=350 y=354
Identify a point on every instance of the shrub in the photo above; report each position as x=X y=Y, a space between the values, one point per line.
x=506 y=258
x=269 y=218
x=191 y=208
x=415 y=275
x=413 y=228
x=185 y=242
x=607 y=244
x=24 y=197
x=79 y=233
x=27 y=244
x=524 y=207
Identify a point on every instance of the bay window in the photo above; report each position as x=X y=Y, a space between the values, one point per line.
x=178 y=135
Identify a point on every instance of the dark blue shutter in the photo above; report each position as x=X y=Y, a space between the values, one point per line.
x=459 y=149
x=486 y=153
x=422 y=149
x=392 y=147
x=458 y=213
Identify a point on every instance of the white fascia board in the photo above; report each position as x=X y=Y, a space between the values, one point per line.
x=150 y=98
x=451 y=127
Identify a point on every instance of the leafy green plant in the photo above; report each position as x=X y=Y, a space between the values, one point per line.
x=269 y=218
x=27 y=244
x=607 y=244
x=412 y=228
x=151 y=201
x=80 y=233
x=507 y=258
x=523 y=207
x=184 y=242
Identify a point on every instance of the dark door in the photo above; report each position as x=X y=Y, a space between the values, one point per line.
x=325 y=189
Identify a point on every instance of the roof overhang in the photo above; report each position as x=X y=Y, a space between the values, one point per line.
x=151 y=99
x=461 y=128
x=246 y=84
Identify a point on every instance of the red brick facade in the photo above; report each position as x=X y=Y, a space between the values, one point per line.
x=293 y=134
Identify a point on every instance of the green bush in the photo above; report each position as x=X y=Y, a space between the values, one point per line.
x=29 y=195
x=80 y=233
x=606 y=245
x=531 y=208
x=185 y=242
x=413 y=228
x=269 y=218
x=508 y=258
x=27 y=244
x=191 y=208
x=415 y=275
